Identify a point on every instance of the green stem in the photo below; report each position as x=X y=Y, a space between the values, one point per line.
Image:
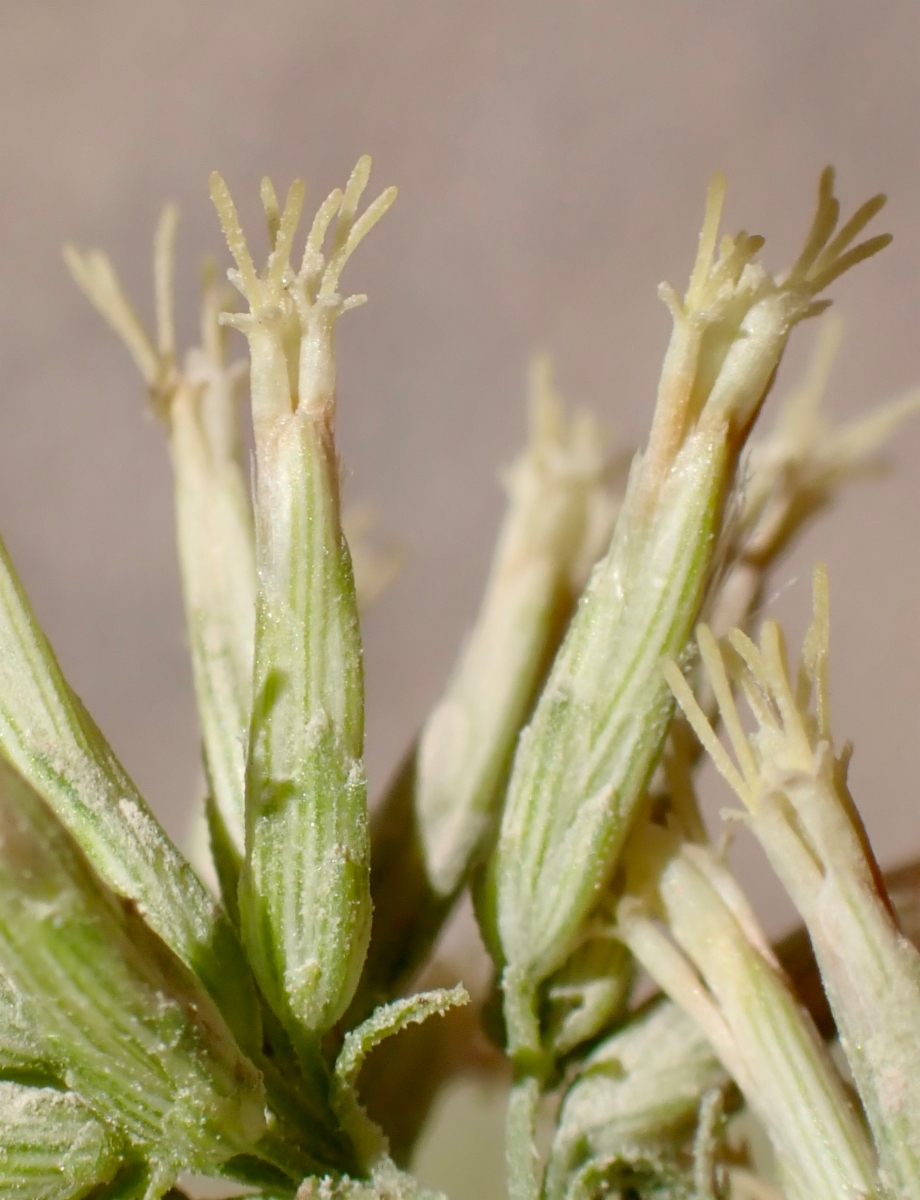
x=525 y=1170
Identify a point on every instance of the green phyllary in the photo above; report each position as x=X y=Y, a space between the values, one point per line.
x=116 y=1017
x=50 y=738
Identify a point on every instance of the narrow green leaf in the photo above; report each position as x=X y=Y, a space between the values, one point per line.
x=52 y=1147
x=124 y=1023
x=388 y=1021
x=387 y=1182
x=384 y=1023
x=53 y=742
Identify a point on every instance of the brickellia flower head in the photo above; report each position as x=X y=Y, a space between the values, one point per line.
x=155 y=1027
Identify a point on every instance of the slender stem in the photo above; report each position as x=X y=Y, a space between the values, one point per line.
x=525 y=1170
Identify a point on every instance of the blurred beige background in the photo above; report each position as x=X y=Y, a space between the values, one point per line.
x=552 y=159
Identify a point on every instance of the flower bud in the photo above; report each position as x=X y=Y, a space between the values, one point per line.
x=560 y=514
x=199 y=405
x=305 y=905
x=794 y=789
x=584 y=761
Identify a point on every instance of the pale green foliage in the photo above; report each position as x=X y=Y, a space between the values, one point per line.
x=139 y=1039
x=638 y=1090
x=51 y=1144
x=47 y=734
x=384 y=1183
x=114 y=1016
x=390 y=1019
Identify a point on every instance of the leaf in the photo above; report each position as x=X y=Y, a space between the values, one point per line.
x=53 y=742
x=122 y=1021
x=52 y=1147
x=383 y=1023
x=641 y=1087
